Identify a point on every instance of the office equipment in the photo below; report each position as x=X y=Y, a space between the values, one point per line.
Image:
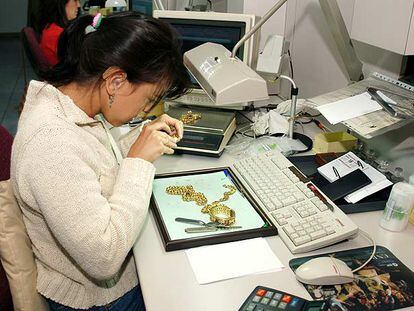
x=272 y=299
x=219 y=262
x=207 y=135
x=225 y=80
x=305 y=219
x=324 y=271
x=375 y=123
x=196 y=28
x=334 y=142
x=348 y=163
x=386 y=284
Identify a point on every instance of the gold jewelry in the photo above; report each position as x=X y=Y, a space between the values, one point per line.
x=187 y=193
x=215 y=209
x=190 y=118
x=222 y=214
x=111 y=100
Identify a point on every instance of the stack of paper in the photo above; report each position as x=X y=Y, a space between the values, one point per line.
x=229 y=260
x=349 y=108
x=348 y=163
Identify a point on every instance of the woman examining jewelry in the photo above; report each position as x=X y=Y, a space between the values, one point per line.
x=83 y=203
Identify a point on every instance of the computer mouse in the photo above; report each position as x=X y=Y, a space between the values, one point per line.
x=324 y=271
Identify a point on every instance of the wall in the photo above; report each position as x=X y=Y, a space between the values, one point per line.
x=13 y=16
x=318 y=66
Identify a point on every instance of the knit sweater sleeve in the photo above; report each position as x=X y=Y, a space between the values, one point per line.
x=96 y=232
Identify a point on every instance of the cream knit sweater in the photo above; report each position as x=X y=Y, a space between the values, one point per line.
x=82 y=210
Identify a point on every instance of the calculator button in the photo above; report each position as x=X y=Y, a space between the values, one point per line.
x=250 y=307
x=294 y=302
x=286 y=298
x=282 y=305
x=269 y=294
x=256 y=298
x=265 y=300
x=259 y=309
x=277 y=296
x=273 y=303
x=261 y=292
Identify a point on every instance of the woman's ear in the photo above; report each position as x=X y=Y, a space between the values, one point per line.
x=113 y=77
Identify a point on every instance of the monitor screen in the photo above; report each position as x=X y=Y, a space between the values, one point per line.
x=193 y=33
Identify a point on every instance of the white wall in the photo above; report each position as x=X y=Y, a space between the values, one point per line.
x=317 y=64
x=13 y=16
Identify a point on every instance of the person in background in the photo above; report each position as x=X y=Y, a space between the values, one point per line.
x=85 y=196
x=55 y=16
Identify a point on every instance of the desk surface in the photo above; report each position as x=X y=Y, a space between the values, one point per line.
x=168 y=282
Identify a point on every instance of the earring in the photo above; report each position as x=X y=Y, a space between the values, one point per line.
x=111 y=100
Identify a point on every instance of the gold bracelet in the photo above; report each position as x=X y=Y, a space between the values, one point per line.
x=222 y=214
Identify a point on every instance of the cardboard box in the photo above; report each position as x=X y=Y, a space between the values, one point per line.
x=334 y=142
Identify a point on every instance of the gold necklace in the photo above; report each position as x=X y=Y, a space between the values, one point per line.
x=190 y=118
x=218 y=212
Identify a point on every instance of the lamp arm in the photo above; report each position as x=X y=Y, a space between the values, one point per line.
x=294 y=95
x=257 y=26
x=159 y=5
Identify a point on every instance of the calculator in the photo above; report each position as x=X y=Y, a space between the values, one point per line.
x=269 y=299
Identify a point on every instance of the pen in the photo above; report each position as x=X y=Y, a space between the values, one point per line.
x=336 y=172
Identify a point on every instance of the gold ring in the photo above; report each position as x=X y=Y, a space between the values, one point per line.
x=222 y=214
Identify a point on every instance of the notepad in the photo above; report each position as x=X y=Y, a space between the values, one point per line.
x=349 y=108
x=347 y=164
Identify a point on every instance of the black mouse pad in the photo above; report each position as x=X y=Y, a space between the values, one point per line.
x=384 y=284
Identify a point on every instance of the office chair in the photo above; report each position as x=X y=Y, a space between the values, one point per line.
x=31 y=47
x=6 y=141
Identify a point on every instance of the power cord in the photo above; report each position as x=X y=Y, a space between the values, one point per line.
x=373 y=250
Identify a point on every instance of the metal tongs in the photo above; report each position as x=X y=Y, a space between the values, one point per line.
x=385 y=104
x=204 y=226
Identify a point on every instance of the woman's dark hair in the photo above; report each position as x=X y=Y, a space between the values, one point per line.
x=53 y=11
x=147 y=50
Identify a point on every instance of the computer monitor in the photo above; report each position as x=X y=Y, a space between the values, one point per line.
x=196 y=28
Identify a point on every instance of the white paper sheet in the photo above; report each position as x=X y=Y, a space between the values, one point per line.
x=349 y=108
x=230 y=260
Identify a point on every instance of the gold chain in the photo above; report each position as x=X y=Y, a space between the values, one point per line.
x=190 y=118
x=189 y=194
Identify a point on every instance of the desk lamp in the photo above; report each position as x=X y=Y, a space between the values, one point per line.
x=227 y=80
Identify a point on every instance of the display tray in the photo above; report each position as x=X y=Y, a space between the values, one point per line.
x=213 y=184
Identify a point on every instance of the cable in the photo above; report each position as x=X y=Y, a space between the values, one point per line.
x=373 y=250
x=291 y=64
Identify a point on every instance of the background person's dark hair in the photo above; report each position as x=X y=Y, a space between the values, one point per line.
x=53 y=11
x=147 y=49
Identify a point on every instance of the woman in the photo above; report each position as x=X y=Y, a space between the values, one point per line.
x=84 y=205
x=55 y=15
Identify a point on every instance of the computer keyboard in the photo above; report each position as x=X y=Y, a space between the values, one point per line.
x=194 y=99
x=306 y=219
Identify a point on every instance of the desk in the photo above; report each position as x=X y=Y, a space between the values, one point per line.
x=168 y=282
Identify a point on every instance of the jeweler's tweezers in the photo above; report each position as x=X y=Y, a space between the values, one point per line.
x=209 y=229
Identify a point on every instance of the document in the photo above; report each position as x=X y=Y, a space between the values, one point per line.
x=348 y=163
x=349 y=108
x=230 y=260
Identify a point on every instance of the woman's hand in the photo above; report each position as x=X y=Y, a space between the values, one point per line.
x=157 y=138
